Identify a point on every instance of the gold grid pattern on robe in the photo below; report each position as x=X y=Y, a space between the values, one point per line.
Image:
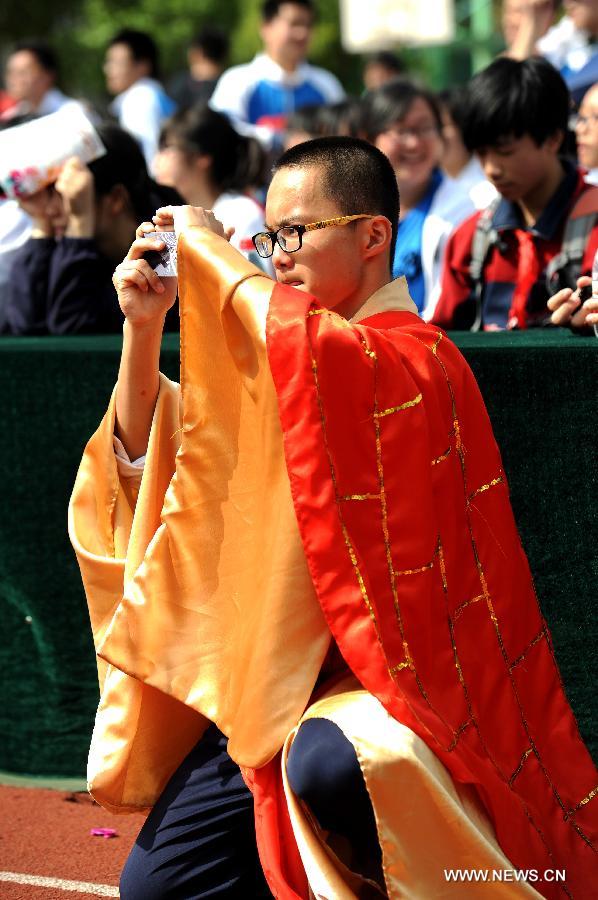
x=408 y=662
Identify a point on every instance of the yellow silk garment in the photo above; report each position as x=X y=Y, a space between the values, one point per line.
x=426 y=822
x=199 y=595
x=202 y=607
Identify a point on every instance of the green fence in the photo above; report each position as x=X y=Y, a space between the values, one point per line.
x=541 y=391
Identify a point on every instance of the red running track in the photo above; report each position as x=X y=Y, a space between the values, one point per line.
x=46 y=833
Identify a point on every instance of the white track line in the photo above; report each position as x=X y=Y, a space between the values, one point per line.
x=80 y=887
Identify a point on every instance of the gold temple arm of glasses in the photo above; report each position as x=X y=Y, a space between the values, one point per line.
x=340 y=220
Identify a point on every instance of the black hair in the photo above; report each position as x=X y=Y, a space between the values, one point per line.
x=388 y=59
x=142 y=46
x=512 y=98
x=391 y=102
x=327 y=120
x=124 y=164
x=354 y=174
x=343 y=117
x=43 y=53
x=213 y=43
x=238 y=162
x=454 y=100
x=271 y=8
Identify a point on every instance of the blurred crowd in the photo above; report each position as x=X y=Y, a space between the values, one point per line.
x=498 y=178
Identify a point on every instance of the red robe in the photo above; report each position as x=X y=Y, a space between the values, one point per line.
x=404 y=514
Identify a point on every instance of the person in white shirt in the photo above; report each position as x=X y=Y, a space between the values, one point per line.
x=211 y=165
x=30 y=76
x=259 y=95
x=403 y=120
x=461 y=166
x=141 y=104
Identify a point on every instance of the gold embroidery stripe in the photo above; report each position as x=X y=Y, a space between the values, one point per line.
x=317 y=312
x=360 y=497
x=459 y=449
x=442 y=458
x=442 y=565
x=457 y=734
x=436 y=343
x=583 y=802
x=425 y=568
x=399 y=668
x=467 y=603
x=582 y=835
x=349 y=545
x=533 y=643
x=520 y=766
x=486 y=487
x=393 y=409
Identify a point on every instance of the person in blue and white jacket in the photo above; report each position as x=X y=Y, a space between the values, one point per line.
x=258 y=96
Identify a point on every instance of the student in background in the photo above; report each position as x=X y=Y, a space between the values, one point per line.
x=404 y=121
x=502 y=264
x=586 y=133
x=381 y=67
x=342 y=119
x=206 y=58
x=61 y=279
x=140 y=103
x=31 y=81
x=457 y=161
x=260 y=95
x=212 y=166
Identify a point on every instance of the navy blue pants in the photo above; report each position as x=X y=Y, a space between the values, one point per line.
x=199 y=839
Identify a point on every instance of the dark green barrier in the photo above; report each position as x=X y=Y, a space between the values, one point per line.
x=541 y=391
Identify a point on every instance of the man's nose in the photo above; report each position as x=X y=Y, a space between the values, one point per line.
x=281 y=259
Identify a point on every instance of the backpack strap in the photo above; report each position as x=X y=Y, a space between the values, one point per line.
x=578 y=227
x=484 y=237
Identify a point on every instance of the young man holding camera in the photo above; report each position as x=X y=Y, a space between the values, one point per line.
x=307 y=606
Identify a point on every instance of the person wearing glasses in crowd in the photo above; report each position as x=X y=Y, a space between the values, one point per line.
x=404 y=120
x=296 y=600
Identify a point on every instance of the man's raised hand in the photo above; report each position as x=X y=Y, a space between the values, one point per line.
x=144 y=297
x=182 y=217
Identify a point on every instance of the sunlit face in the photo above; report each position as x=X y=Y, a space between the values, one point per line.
x=286 y=37
x=329 y=264
x=517 y=167
x=26 y=80
x=413 y=145
x=121 y=69
x=174 y=167
x=584 y=14
x=586 y=130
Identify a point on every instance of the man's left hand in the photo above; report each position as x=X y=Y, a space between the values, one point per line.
x=183 y=217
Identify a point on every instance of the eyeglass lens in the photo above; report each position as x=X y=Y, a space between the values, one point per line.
x=288 y=238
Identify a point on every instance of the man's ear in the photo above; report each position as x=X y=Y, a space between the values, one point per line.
x=378 y=235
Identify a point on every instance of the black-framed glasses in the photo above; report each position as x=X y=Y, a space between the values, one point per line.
x=290 y=237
